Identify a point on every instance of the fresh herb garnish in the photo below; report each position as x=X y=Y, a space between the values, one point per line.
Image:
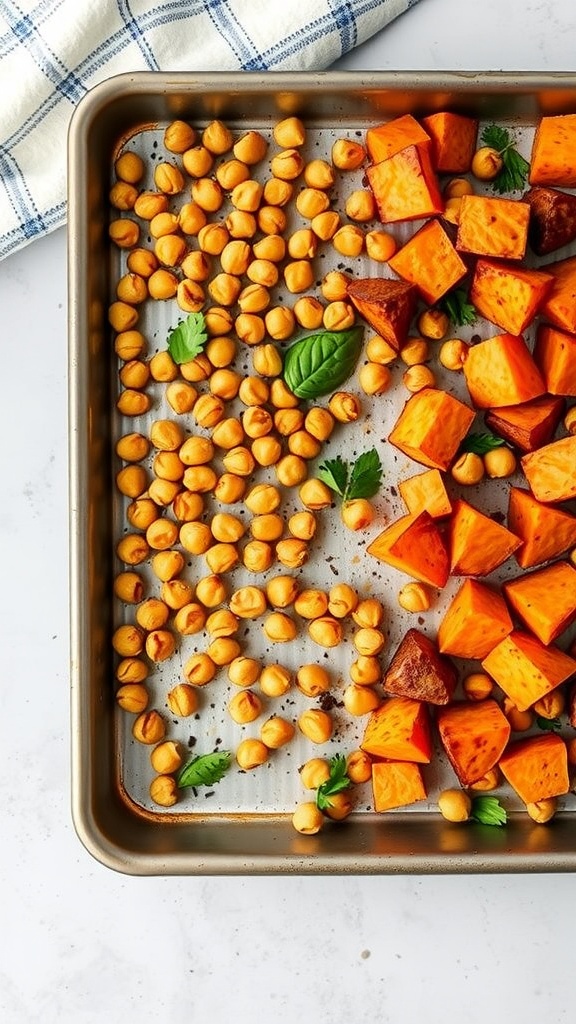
x=488 y=811
x=317 y=365
x=456 y=306
x=361 y=481
x=548 y=724
x=479 y=444
x=515 y=168
x=205 y=770
x=187 y=339
x=337 y=782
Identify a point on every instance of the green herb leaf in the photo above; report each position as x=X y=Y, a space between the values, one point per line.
x=515 y=168
x=205 y=770
x=187 y=339
x=320 y=363
x=334 y=473
x=456 y=306
x=548 y=724
x=479 y=444
x=337 y=782
x=366 y=476
x=488 y=811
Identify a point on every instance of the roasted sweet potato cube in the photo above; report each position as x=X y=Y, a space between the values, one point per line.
x=387 y=139
x=425 y=492
x=529 y=425
x=493 y=227
x=537 y=767
x=405 y=186
x=429 y=261
x=555 y=357
x=396 y=784
x=526 y=669
x=416 y=431
x=387 y=305
x=552 y=219
x=551 y=470
x=559 y=306
x=501 y=371
x=474 y=736
x=552 y=156
x=477 y=543
x=419 y=671
x=399 y=730
x=546 y=532
x=475 y=621
x=545 y=600
x=453 y=140
x=413 y=544
x=507 y=295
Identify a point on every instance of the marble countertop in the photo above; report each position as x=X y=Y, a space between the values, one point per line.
x=82 y=944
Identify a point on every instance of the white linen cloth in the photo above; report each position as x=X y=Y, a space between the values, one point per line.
x=53 y=51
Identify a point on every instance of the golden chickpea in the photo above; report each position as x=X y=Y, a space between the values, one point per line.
x=268 y=526
x=267 y=360
x=149 y=204
x=298 y=276
x=291 y=470
x=244 y=671
x=302 y=525
x=453 y=354
x=319 y=174
x=228 y=433
x=131 y=481
x=132 y=697
x=360 y=700
x=225 y=289
x=325 y=224
x=223 y=650
x=197 y=369
x=129 y=345
x=275 y=680
x=326 y=631
x=164 y=492
x=369 y=612
x=308 y=312
x=452 y=210
x=176 y=593
x=543 y=810
x=250 y=328
x=303 y=444
x=141 y=513
x=254 y=391
x=345 y=407
x=164 y=790
x=454 y=805
x=458 y=187
x=418 y=377
x=197 y=161
x=263 y=498
x=163 y=224
x=280 y=322
x=282 y=591
x=292 y=552
x=167 y=565
x=239 y=461
x=163 y=368
x=486 y=163
x=380 y=351
x=227 y=528
x=487 y=782
x=199 y=670
x=129 y=587
x=250 y=147
x=281 y=397
x=211 y=591
x=168 y=466
x=257 y=556
x=251 y=753
x=311 y=604
x=369 y=641
x=133 y=549
x=287 y=421
x=366 y=670
x=222 y=558
x=162 y=284
x=152 y=614
x=201 y=479
x=179 y=136
x=339 y=806
x=415 y=351
x=230 y=489
x=570 y=421
x=217 y=137
x=433 y=324
x=500 y=462
x=313 y=680
x=124 y=233
x=160 y=645
x=307 y=818
x=131 y=670
x=468 y=469
x=248 y=602
x=359 y=767
x=128 y=640
x=287 y=165
x=208 y=410
x=478 y=686
x=348 y=155
x=415 y=597
x=380 y=246
x=276 y=732
x=168 y=178
x=302 y=244
x=231 y=173
x=149 y=727
x=550 y=706
x=121 y=316
x=314 y=772
x=134 y=374
x=190 y=619
x=279 y=627
x=316 y=725
x=222 y=622
x=348 y=240
x=374 y=379
x=520 y=721
x=221 y=351
x=338 y=316
x=254 y=298
x=129 y=167
x=187 y=506
x=190 y=296
x=357 y=514
x=361 y=205
x=208 y=194
x=257 y=422
x=166 y=757
x=132 y=288
x=225 y=383
x=289 y=132
x=342 y=600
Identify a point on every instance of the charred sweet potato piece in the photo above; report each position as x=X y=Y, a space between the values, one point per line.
x=507 y=295
x=555 y=356
x=474 y=736
x=413 y=544
x=385 y=140
x=419 y=671
x=493 y=227
x=501 y=371
x=551 y=470
x=559 y=307
x=526 y=669
x=416 y=430
x=396 y=784
x=545 y=600
x=405 y=186
x=477 y=543
x=529 y=425
x=399 y=730
x=475 y=621
x=546 y=532
x=387 y=305
x=537 y=767
x=552 y=219
x=552 y=156
x=425 y=492
x=453 y=141
x=429 y=261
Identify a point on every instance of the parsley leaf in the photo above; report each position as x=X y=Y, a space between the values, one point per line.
x=335 y=783
x=334 y=473
x=361 y=481
x=456 y=306
x=488 y=811
x=187 y=339
x=205 y=770
x=479 y=444
x=515 y=168
x=548 y=724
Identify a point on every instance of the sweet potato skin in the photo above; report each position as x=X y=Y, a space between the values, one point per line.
x=551 y=470
x=537 y=767
x=528 y=425
x=387 y=305
x=418 y=670
x=399 y=730
x=545 y=532
x=396 y=784
x=552 y=219
x=474 y=736
x=559 y=307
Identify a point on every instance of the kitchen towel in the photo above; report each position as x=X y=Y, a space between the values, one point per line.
x=53 y=51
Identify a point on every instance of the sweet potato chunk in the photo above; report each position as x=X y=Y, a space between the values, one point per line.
x=529 y=425
x=493 y=227
x=545 y=600
x=419 y=671
x=555 y=356
x=507 y=295
x=425 y=492
x=387 y=305
x=475 y=621
x=477 y=543
x=537 y=767
x=501 y=371
x=474 y=736
x=552 y=219
x=396 y=784
x=526 y=669
x=414 y=545
x=429 y=261
x=551 y=470
x=559 y=307
x=385 y=140
x=552 y=156
x=416 y=430
x=399 y=730
x=405 y=186
x=453 y=141
x=546 y=532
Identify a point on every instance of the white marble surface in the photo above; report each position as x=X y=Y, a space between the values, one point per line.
x=82 y=945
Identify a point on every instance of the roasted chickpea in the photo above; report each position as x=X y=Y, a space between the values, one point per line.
x=348 y=155
x=302 y=244
x=181 y=396
x=128 y=640
x=197 y=161
x=325 y=224
x=170 y=250
x=268 y=527
x=222 y=558
x=250 y=328
x=223 y=650
x=197 y=369
x=179 y=136
x=221 y=351
x=361 y=205
x=250 y=147
x=257 y=422
x=211 y=591
x=289 y=132
x=131 y=670
x=311 y=604
x=148 y=204
x=453 y=354
x=129 y=587
x=166 y=757
x=302 y=525
x=208 y=194
x=239 y=461
x=177 y=593
x=124 y=233
x=208 y=410
x=230 y=489
x=231 y=173
x=248 y=602
x=247 y=196
x=190 y=296
x=380 y=246
x=486 y=163
x=369 y=613
x=212 y=238
x=276 y=732
x=325 y=631
x=199 y=669
x=280 y=322
x=454 y=805
x=316 y=725
x=277 y=192
x=217 y=137
x=190 y=619
x=163 y=492
x=313 y=680
x=478 y=686
x=244 y=671
x=342 y=600
x=160 y=645
x=162 y=284
x=141 y=513
x=131 y=481
x=520 y=721
x=287 y=421
x=187 y=506
x=360 y=700
x=201 y=479
x=550 y=706
x=132 y=697
x=369 y=641
x=418 y=377
x=292 y=552
x=366 y=670
x=282 y=591
x=152 y=614
x=182 y=700
x=168 y=178
x=222 y=623
x=228 y=433
x=121 y=316
x=308 y=312
x=319 y=174
x=168 y=466
x=500 y=462
x=291 y=470
x=254 y=391
x=164 y=790
x=380 y=351
x=287 y=165
x=345 y=407
x=129 y=167
x=374 y=378
x=257 y=556
x=251 y=753
x=468 y=470
x=359 y=767
x=227 y=528
x=279 y=627
x=314 y=772
x=543 y=810
x=132 y=288
x=357 y=514
x=415 y=597
x=263 y=498
x=487 y=782
x=280 y=395
x=129 y=345
x=298 y=276
x=338 y=316
x=415 y=351
x=340 y=806
x=149 y=727
x=275 y=680
x=162 y=367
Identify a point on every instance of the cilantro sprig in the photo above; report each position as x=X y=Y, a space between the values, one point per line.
x=336 y=782
x=515 y=168
x=548 y=724
x=479 y=444
x=456 y=306
x=187 y=339
x=205 y=770
x=488 y=810
x=361 y=480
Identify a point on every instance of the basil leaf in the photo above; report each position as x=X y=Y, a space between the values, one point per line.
x=187 y=339
x=479 y=444
x=366 y=476
x=205 y=770
x=320 y=363
x=488 y=811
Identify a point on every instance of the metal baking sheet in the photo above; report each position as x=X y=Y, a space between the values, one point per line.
x=243 y=824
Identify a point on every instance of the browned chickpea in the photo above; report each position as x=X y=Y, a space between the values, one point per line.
x=245 y=707
x=170 y=250
x=163 y=492
x=182 y=700
x=257 y=556
x=166 y=757
x=271 y=247
x=313 y=680
x=133 y=697
x=279 y=627
x=222 y=558
x=231 y=173
x=316 y=725
x=345 y=407
x=271 y=220
x=225 y=289
x=149 y=204
x=287 y=165
x=230 y=488
x=292 y=552
x=190 y=619
x=208 y=195
x=239 y=461
x=149 y=727
x=134 y=374
x=211 y=591
x=190 y=296
x=168 y=466
x=250 y=328
x=131 y=288
x=298 y=276
x=162 y=284
x=208 y=410
x=280 y=322
x=129 y=587
x=176 y=593
x=282 y=591
x=197 y=369
x=281 y=397
x=277 y=192
x=131 y=670
x=348 y=155
x=187 y=506
x=248 y=602
x=160 y=645
x=257 y=421
x=275 y=680
x=302 y=525
x=311 y=203
x=141 y=513
x=311 y=604
x=133 y=549
x=340 y=806
x=326 y=631
x=199 y=670
x=162 y=534
x=166 y=565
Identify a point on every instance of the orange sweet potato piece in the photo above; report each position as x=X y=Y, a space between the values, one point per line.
x=418 y=670
x=399 y=730
x=552 y=219
x=501 y=371
x=385 y=140
x=396 y=784
x=387 y=305
x=537 y=767
x=493 y=227
x=526 y=669
x=474 y=736
x=546 y=532
x=416 y=430
x=559 y=307
x=552 y=156
x=429 y=261
x=555 y=356
x=405 y=186
x=545 y=600
x=413 y=544
x=551 y=470
x=529 y=425
x=453 y=141
x=477 y=543
x=507 y=295
x=425 y=492
x=475 y=621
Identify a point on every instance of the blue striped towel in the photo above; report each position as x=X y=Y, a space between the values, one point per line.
x=53 y=51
